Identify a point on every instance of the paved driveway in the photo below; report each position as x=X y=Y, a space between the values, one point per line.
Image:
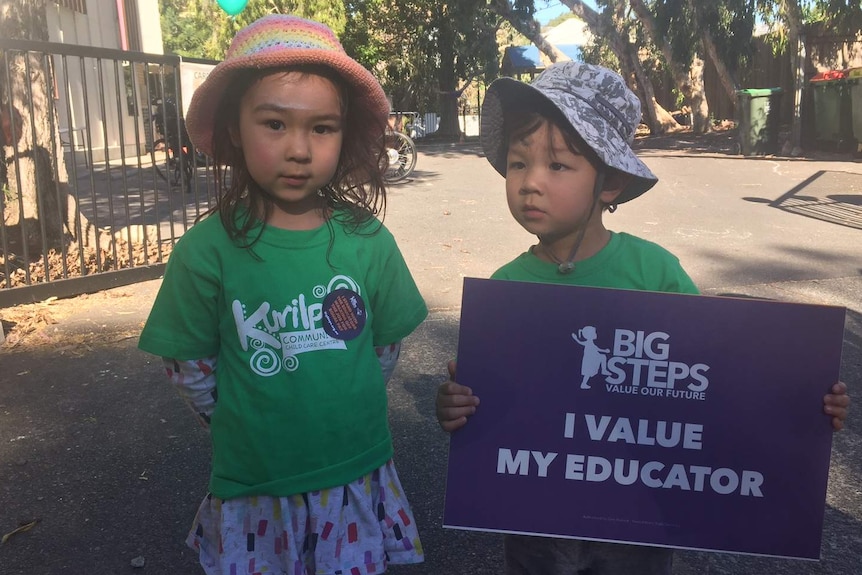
x=95 y=444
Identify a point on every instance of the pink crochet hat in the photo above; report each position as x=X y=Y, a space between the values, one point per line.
x=274 y=41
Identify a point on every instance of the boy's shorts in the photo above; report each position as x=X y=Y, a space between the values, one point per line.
x=528 y=555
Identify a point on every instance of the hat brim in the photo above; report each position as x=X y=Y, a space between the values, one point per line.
x=367 y=96
x=506 y=94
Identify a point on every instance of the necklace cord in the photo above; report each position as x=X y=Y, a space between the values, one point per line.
x=568 y=266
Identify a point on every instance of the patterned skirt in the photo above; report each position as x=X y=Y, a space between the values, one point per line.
x=355 y=529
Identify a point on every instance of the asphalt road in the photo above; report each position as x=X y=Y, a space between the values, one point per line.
x=95 y=443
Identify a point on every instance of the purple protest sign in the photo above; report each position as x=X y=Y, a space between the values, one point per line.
x=662 y=419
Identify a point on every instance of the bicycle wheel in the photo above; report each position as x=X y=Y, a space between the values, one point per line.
x=400 y=159
x=168 y=167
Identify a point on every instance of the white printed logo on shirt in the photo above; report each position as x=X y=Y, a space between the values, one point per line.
x=294 y=330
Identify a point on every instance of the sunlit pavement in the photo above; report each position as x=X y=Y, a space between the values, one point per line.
x=95 y=443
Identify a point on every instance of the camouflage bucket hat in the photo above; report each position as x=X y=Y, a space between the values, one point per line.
x=595 y=101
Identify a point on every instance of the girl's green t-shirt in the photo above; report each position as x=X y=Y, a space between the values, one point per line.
x=301 y=403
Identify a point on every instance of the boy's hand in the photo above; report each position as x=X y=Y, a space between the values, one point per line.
x=454 y=403
x=835 y=404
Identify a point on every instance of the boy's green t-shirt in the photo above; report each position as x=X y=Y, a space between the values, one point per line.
x=298 y=410
x=626 y=262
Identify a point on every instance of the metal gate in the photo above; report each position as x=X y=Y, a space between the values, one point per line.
x=97 y=185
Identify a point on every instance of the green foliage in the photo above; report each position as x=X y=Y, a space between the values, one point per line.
x=362 y=38
x=199 y=28
x=418 y=49
x=188 y=27
x=9 y=196
x=679 y=99
x=837 y=16
x=676 y=23
x=329 y=12
x=731 y=25
x=422 y=49
x=598 y=51
x=843 y=16
x=526 y=9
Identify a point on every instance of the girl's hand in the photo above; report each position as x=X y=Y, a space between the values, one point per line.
x=454 y=403
x=836 y=404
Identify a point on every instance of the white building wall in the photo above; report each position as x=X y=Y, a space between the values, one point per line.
x=88 y=113
x=151 y=27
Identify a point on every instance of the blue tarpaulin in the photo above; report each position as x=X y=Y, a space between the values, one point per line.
x=523 y=57
x=573 y=51
x=527 y=59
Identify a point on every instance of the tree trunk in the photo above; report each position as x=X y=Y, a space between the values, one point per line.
x=689 y=82
x=657 y=118
x=448 y=127
x=36 y=210
x=628 y=59
x=700 y=122
x=724 y=76
x=793 y=19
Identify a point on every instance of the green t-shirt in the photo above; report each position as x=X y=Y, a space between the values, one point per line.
x=298 y=410
x=626 y=262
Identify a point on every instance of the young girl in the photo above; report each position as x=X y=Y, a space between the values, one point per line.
x=594 y=356
x=280 y=319
x=563 y=143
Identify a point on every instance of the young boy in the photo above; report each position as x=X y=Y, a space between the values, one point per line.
x=563 y=144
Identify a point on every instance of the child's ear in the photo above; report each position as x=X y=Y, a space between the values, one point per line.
x=615 y=183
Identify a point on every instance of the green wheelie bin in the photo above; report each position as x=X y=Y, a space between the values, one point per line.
x=832 y=109
x=758 y=111
x=854 y=80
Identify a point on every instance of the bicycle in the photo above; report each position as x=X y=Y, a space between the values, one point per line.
x=401 y=155
x=173 y=169
x=180 y=162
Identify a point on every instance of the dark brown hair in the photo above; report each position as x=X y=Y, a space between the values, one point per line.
x=520 y=123
x=357 y=188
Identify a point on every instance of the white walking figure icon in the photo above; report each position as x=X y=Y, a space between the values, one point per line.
x=594 y=356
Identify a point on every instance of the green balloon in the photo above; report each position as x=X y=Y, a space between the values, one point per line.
x=232 y=7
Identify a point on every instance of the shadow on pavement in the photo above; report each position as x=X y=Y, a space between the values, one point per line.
x=724 y=143
x=469 y=147
x=96 y=446
x=812 y=198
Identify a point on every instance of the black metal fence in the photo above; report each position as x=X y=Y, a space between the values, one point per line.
x=98 y=177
